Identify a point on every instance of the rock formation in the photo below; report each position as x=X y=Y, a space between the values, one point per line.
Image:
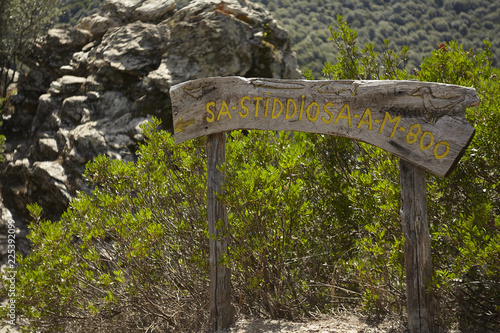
x=90 y=87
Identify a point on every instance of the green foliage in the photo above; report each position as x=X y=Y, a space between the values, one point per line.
x=282 y=197
x=466 y=208
x=27 y=19
x=353 y=63
x=451 y=64
x=375 y=266
x=132 y=253
x=73 y=10
x=463 y=209
x=420 y=24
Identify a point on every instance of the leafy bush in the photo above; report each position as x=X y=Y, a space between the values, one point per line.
x=466 y=207
x=134 y=253
x=463 y=209
x=131 y=255
x=285 y=206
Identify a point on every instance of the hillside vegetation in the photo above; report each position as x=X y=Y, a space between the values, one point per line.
x=420 y=24
x=73 y=10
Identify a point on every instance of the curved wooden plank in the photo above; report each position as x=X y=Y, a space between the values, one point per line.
x=421 y=122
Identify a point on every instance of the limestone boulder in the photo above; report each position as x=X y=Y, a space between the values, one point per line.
x=75 y=110
x=221 y=38
x=112 y=104
x=48 y=185
x=47 y=116
x=67 y=85
x=116 y=13
x=97 y=25
x=48 y=148
x=133 y=49
x=153 y=10
x=70 y=38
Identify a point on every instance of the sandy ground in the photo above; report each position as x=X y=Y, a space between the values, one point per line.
x=341 y=323
x=8 y=329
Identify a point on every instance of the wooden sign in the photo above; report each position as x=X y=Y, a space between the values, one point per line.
x=421 y=122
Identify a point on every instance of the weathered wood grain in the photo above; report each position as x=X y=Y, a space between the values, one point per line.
x=417 y=249
x=421 y=122
x=221 y=311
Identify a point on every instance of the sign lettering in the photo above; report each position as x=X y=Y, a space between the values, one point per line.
x=421 y=122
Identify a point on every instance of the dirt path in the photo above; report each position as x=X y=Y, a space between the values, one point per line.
x=341 y=323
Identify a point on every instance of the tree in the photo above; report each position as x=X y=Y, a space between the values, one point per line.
x=21 y=23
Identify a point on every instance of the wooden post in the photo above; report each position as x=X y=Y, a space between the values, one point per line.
x=417 y=248
x=221 y=313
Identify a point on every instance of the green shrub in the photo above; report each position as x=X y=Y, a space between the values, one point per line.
x=131 y=255
x=463 y=209
x=285 y=205
x=466 y=206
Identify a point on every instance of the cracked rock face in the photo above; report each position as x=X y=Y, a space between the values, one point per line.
x=90 y=87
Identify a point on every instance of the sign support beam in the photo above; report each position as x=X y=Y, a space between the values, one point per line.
x=221 y=312
x=417 y=248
